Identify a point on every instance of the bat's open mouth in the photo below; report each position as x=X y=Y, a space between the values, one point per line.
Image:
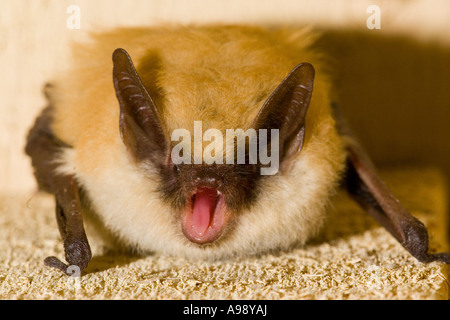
x=205 y=217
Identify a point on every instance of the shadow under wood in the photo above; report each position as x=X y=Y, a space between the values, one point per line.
x=110 y=260
x=420 y=190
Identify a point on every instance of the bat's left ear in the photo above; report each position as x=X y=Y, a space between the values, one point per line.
x=285 y=110
x=140 y=123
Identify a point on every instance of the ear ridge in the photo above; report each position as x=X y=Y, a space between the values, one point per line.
x=286 y=109
x=140 y=123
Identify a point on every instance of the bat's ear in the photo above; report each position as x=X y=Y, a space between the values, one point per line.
x=366 y=187
x=285 y=110
x=140 y=123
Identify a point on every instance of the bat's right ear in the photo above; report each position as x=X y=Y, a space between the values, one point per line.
x=286 y=109
x=140 y=123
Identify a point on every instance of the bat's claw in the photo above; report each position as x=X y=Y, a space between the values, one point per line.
x=54 y=262
x=78 y=255
x=70 y=270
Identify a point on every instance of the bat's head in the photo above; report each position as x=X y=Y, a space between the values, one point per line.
x=210 y=187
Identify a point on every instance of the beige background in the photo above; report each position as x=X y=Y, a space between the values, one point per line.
x=392 y=83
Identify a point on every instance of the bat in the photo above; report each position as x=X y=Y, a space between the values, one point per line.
x=202 y=141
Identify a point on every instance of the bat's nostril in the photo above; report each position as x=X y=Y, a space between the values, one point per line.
x=209 y=182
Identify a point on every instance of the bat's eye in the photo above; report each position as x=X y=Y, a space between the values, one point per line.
x=176 y=169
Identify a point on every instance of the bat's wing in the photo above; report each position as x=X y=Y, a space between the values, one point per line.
x=365 y=186
x=43 y=147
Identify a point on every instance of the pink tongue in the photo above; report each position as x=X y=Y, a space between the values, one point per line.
x=201 y=211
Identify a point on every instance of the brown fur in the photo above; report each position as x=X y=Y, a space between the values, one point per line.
x=220 y=75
